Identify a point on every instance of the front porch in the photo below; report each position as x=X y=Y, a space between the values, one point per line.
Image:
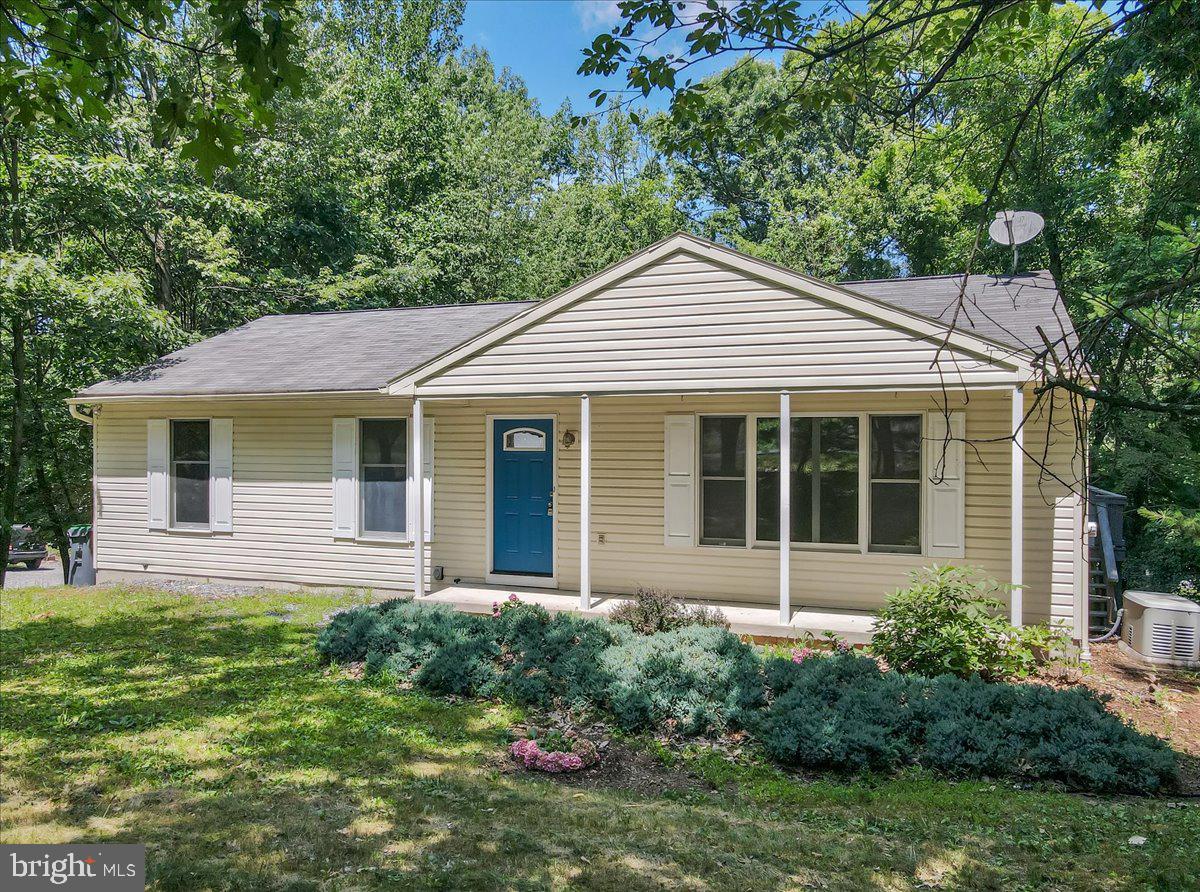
x=745 y=619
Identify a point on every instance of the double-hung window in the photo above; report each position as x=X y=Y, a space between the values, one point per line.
x=896 y=483
x=190 y=474
x=723 y=480
x=383 y=475
x=842 y=468
x=824 y=476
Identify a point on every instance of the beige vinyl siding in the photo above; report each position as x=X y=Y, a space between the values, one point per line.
x=687 y=324
x=282 y=497
x=282 y=502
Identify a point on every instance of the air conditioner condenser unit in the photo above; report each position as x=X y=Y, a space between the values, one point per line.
x=1162 y=629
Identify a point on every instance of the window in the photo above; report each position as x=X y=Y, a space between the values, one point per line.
x=723 y=480
x=896 y=483
x=190 y=466
x=524 y=439
x=383 y=474
x=824 y=497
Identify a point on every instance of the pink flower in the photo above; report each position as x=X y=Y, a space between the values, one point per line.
x=529 y=754
x=513 y=598
x=799 y=656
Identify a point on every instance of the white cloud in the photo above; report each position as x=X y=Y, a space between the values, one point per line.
x=595 y=14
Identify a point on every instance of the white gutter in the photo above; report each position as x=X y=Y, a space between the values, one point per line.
x=73 y=408
x=144 y=397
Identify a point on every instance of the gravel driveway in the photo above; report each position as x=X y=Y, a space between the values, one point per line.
x=47 y=575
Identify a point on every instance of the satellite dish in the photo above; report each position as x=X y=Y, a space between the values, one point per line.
x=1014 y=228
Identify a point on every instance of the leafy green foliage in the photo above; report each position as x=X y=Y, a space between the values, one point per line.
x=692 y=679
x=71 y=62
x=838 y=712
x=653 y=610
x=948 y=622
x=842 y=713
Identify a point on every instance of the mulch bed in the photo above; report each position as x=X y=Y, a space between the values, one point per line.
x=620 y=768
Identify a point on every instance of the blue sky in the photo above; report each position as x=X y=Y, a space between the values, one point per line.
x=541 y=41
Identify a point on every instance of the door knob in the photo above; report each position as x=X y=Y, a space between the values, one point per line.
x=550 y=506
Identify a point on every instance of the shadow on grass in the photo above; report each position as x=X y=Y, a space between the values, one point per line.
x=210 y=731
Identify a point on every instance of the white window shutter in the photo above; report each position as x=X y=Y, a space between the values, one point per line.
x=945 y=478
x=345 y=470
x=220 y=488
x=680 y=486
x=157 y=446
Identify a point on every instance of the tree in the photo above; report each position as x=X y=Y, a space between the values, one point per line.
x=66 y=67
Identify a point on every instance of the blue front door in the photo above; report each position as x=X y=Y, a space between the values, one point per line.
x=523 y=496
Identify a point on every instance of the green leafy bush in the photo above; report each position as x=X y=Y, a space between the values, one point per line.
x=652 y=610
x=843 y=713
x=1035 y=731
x=839 y=712
x=948 y=622
x=344 y=640
x=441 y=649
x=546 y=658
x=698 y=678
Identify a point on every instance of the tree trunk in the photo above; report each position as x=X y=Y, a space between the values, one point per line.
x=12 y=470
x=44 y=452
x=56 y=520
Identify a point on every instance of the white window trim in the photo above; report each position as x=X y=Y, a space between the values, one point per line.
x=863 y=546
x=700 y=478
x=839 y=547
x=923 y=530
x=380 y=537
x=172 y=525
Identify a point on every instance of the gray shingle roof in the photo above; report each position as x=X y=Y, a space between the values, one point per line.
x=365 y=349
x=1007 y=309
x=360 y=350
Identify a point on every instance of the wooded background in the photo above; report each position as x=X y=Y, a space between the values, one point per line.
x=172 y=170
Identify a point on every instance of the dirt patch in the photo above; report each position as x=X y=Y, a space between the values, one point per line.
x=621 y=767
x=1159 y=701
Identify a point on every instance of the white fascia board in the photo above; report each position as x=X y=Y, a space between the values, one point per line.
x=833 y=295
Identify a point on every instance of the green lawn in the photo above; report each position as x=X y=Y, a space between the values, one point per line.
x=209 y=730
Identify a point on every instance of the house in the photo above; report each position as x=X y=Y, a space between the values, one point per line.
x=623 y=433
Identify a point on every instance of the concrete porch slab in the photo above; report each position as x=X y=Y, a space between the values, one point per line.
x=853 y=625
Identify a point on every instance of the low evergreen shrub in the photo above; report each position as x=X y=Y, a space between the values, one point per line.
x=838 y=712
x=1034 y=731
x=697 y=678
x=842 y=713
x=547 y=658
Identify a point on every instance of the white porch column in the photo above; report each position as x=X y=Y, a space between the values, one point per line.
x=785 y=508
x=1017 y=504
x=417 y=461
x=585 y=502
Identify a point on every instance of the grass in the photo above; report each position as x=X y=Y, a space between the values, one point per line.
x=208 y=730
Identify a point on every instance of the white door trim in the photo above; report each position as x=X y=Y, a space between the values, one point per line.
x=490 y=577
